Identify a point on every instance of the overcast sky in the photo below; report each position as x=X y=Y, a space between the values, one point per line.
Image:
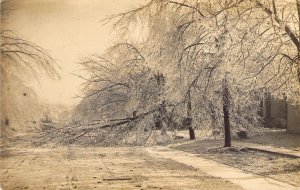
x=69 y=30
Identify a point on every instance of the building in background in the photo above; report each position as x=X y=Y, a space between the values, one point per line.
x=281 y=113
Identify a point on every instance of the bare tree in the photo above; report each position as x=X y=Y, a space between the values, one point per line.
x=25 y=55
x=21 y=53
x=252 y=53
x=194 y=45
x=119 y=80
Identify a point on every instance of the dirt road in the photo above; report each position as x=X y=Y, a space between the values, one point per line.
x=99 y=168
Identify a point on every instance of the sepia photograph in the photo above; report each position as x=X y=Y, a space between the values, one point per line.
x=150 y=94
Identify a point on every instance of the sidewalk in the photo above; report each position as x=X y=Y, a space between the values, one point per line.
x=247 y=181
x=267 y=148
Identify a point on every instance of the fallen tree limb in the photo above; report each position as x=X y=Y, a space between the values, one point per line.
x=87 y=130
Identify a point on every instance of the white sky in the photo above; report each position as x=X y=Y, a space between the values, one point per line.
x=69 y=30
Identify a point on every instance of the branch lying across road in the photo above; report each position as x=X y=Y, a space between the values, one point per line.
x=126 y=120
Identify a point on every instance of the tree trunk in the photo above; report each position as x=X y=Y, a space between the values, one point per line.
x=298 y=46
x=226 y=115
x=212 y=115
x=162 y=110
x=189 y=116
x=159 y=120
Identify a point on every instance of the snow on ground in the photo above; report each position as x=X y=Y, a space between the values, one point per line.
x=286 y=169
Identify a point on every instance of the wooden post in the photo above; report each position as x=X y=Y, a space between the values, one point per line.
x=285 y=110
x=134 y=113
x=6 y=121
x=268 y=106
x=226 y=114
x=268 y=110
